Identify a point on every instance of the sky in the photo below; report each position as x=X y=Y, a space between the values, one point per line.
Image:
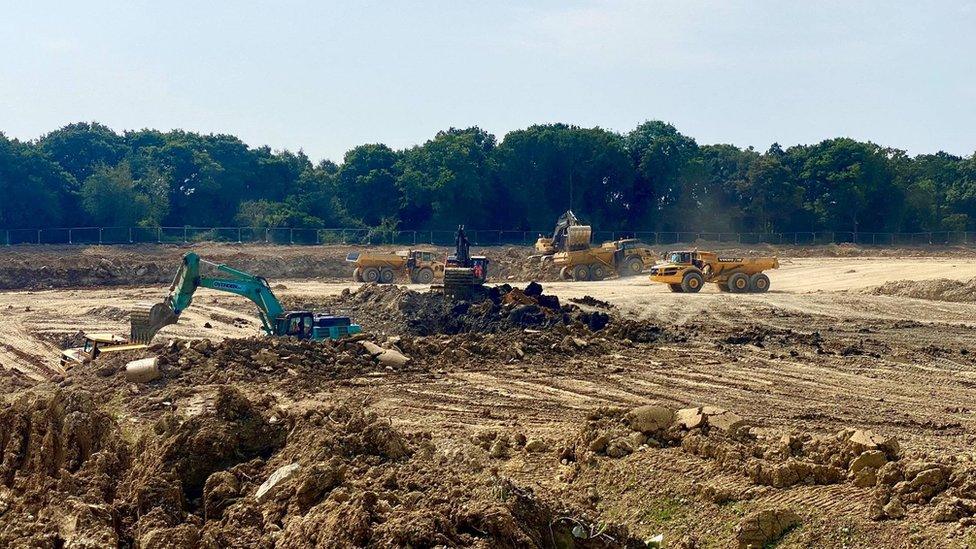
x=324 y=77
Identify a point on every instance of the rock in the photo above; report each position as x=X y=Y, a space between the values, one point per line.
x=871 y=458
x=649 y=418
x=689 y=418
x=275 y=482
x=387 y=357
x=619 y=448
x=184 y=536
x=535 y=445
x=864 y=440
x=865 y=477
x=221 y=489
x=498 y=449
x=890 y=474
x=318 y=480
x=711 y=416
x=599 y=444
x=949 y=510
x=764 y=527
x=894 y=509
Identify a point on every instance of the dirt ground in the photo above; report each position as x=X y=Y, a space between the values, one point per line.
x=540 y=420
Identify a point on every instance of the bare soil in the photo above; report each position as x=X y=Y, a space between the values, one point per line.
x=834 y=417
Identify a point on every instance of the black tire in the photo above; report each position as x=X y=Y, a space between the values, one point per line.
x=564 y=274
x=357 y=274
x=692 y=282
x=425 y=275
x=597 y=272
x=759 y=283
x=739 y=283
x=386 y=275
x=632 y=267
x=371 y=275
x=581 y=273
x=676 y=288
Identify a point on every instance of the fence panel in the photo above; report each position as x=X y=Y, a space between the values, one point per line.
x=478 y=237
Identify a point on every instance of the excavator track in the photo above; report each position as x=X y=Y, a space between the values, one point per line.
x=148 y=318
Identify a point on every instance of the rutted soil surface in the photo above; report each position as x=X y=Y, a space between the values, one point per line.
x=594 y=415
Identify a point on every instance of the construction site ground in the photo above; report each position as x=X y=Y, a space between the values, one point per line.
x=825 y=350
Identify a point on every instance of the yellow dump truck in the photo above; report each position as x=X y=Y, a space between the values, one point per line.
x=584 y=262
x=688 y=271
x=95 y=345
x=419 y=266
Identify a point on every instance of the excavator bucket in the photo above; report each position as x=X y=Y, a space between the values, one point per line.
x=147 y=319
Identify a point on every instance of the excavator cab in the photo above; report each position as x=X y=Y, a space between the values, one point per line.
x=298 y=324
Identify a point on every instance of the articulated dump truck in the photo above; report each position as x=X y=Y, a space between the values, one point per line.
x=580 y=261
x=419 y=266
x=688 y=271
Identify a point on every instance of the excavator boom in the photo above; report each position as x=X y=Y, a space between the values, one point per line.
x=147 y=319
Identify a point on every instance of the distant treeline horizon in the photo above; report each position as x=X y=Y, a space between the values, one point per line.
x=652 y=178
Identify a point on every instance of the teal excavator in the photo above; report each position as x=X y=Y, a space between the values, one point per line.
x=148 y=319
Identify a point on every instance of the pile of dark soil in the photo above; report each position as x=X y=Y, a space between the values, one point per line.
x=399 y=311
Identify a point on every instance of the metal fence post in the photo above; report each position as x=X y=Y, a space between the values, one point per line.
x=159 y=235
x=291 y=236
x=69 y=236
x=8 y=237
x=130 y=235
x=184 y=234
x=239 y=235
x=38 y=236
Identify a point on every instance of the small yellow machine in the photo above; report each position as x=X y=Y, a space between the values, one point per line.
x=688 y=271
x=580 y=261
x=420 y=266
x=95 y=345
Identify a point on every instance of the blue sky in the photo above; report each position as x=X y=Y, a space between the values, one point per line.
x=325 y=77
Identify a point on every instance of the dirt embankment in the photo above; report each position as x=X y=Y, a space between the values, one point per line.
x=39 y=267
x=941 y=289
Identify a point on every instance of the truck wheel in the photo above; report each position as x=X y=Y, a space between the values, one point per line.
x=564 y=274
x=692 y=282
x=371 y=275
x=357 y=274
x=598 y=272
x=581 y=272
x=676 y=288
x=738 y=283
x=759 y=283
x=425 y=276
x=386 y=276
x=632 y=267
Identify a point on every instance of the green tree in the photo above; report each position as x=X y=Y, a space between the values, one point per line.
x=368 y=183
x=110 y=197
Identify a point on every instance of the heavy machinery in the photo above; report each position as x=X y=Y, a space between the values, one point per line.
x=464 y=274
x=580 y=261
x=560 y=236
x=147 y=319
x=95 y=345
x=419 y=266
x=688 y=271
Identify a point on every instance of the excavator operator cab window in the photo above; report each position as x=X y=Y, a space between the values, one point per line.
x=300 y=326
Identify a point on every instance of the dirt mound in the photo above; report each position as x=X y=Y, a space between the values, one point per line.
x=940 y=289
x=246 y=473
x=397 y=310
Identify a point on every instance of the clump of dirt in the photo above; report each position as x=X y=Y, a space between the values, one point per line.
x=940 y=289
x=248 y=473
x=860 y=457
x=591 y=301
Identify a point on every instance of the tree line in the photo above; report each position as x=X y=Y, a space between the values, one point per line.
x=651 y=178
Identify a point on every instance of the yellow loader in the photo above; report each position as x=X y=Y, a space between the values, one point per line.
x=688 y=271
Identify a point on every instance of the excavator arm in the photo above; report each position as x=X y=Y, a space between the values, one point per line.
x=148 y=319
